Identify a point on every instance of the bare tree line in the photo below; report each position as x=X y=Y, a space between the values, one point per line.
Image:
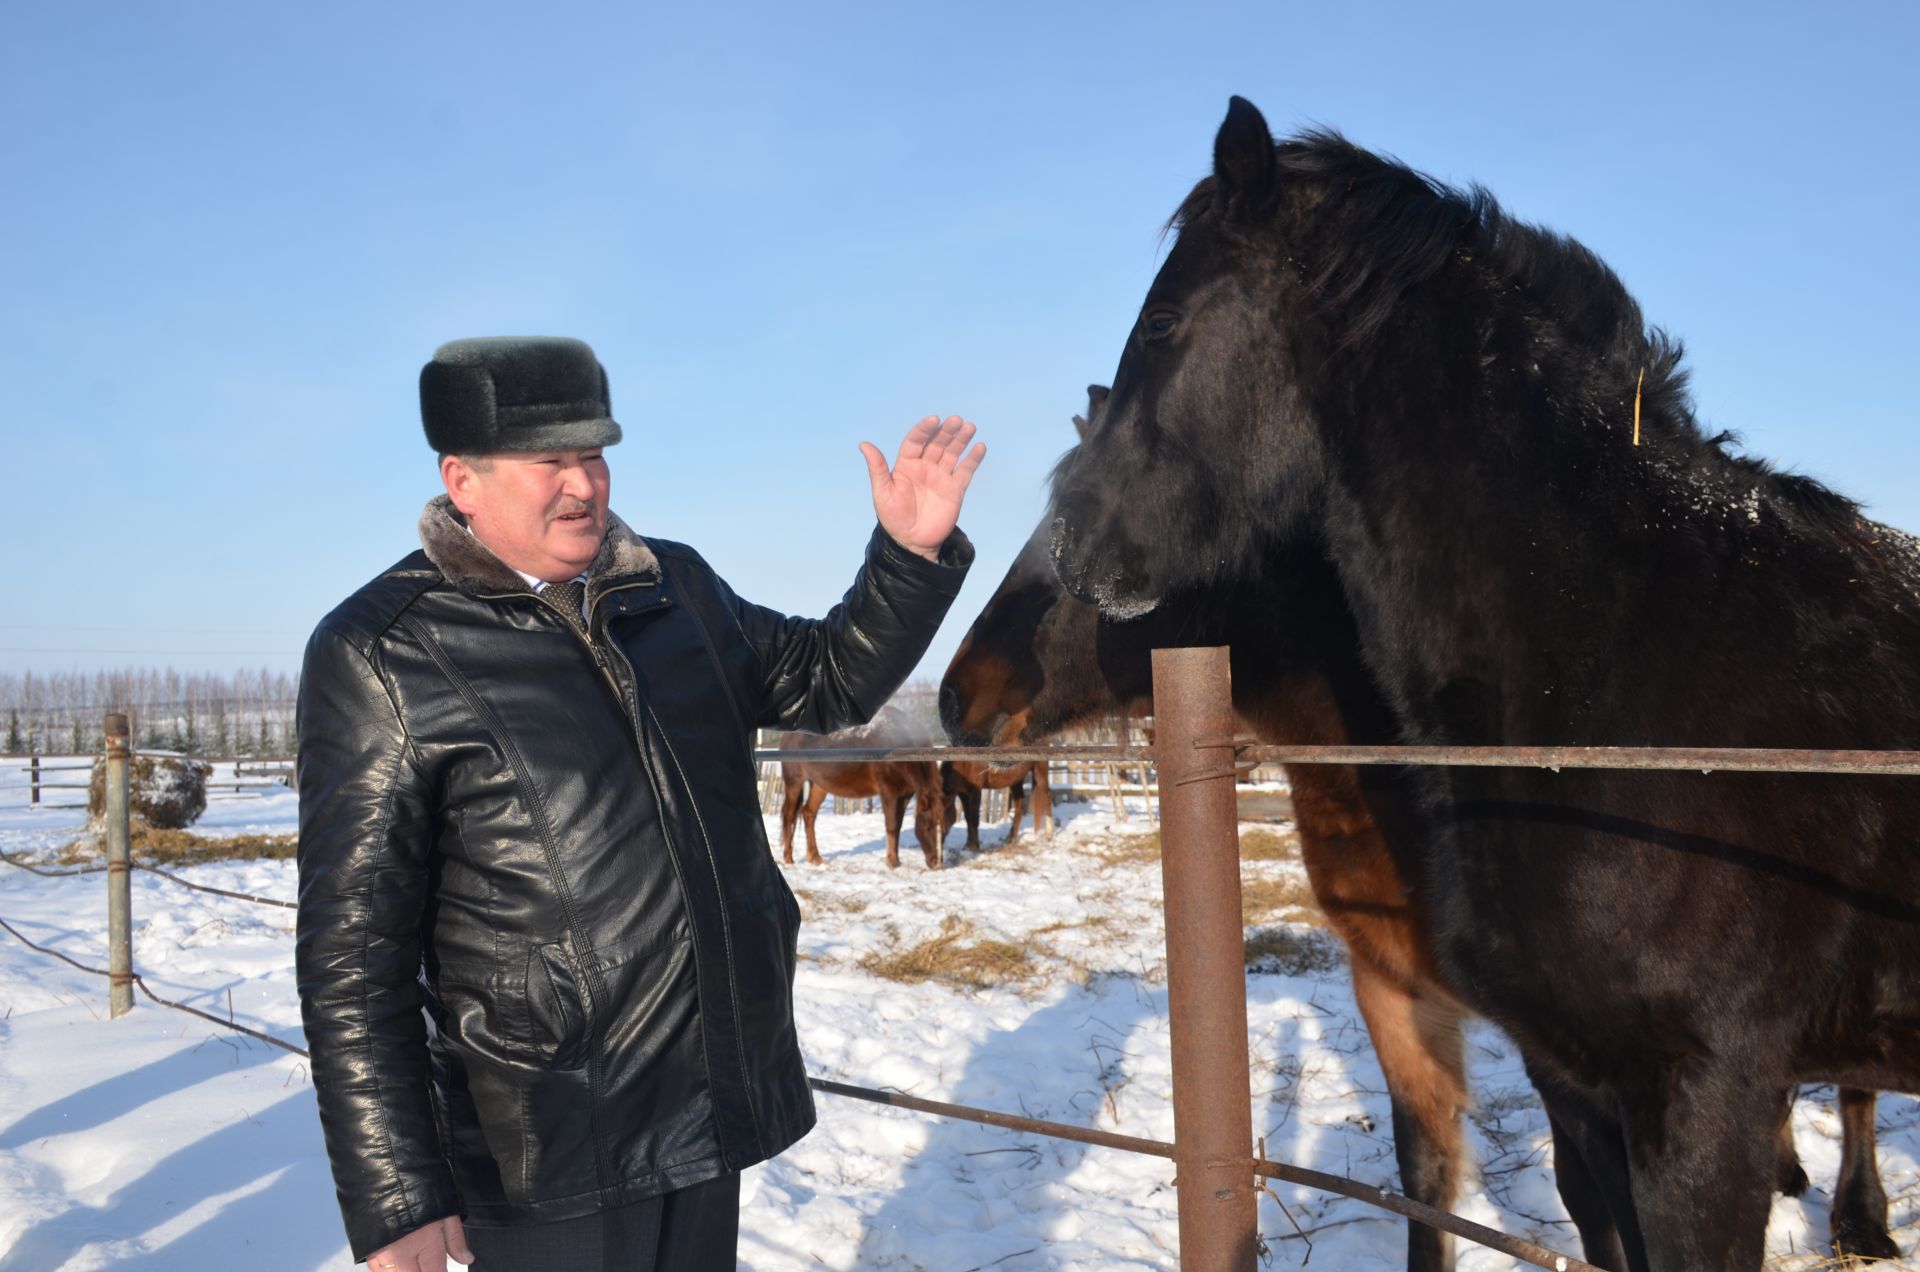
x=249 y=712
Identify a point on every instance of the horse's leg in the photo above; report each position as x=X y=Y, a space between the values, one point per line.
x=816 y=796
x=1016 y=805
x=790 y=797
x=970 y=801
x=1859 y=1216
x=1789 y=1177
x=1042 y=800
x=1586 y=1201
x=892 y=808
x=1590 y=1170
x=1701 y=1137
x=931 y=851
x=949 y=813
x=1421 y=1053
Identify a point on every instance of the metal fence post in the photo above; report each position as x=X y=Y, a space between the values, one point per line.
x=119 y=870
x=1206 y=959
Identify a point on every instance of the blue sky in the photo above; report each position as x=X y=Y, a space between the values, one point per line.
x=234 y=231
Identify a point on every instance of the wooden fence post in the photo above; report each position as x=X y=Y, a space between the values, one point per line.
x=119 y=870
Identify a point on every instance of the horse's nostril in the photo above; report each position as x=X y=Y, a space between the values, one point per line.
x=1070 y=567
x=1060 y=542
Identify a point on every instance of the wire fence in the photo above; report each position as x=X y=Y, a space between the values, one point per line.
x=1259 y=1165
x=1238 y=755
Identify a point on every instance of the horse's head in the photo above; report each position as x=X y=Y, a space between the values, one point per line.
x=1038 y=660
x=1206 y=435
x=1026 y=668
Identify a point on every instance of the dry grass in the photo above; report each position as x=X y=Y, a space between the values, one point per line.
x=1257 y=843
x=180 y=847
x=1263 y=844
x=1263 y=899
x=1128 y=850
x=817 y=903
x=1290 y=952
x=1097 y=950
x=954 y=960
x=1093 y=922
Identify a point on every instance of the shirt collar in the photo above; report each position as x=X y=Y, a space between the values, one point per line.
x=538 y=585
x=534 y=584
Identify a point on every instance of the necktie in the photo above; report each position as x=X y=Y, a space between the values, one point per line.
x=566 y=598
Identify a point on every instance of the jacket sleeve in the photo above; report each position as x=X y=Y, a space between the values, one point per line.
x=365 y=830
x=819 y=675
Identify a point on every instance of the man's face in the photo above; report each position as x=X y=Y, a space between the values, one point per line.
x=542 y=512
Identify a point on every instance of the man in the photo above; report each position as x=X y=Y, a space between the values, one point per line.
x=528 y=806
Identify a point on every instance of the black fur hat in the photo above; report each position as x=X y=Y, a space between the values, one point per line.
x=515 y=393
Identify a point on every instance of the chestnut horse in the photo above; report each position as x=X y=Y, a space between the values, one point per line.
x=1037 y=662
x=809 y=782
x=1025 y=784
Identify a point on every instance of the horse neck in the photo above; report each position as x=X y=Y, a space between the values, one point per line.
x=1499 y=548
x=1521 y=571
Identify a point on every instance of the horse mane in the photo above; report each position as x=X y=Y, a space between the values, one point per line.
x=1396 y=228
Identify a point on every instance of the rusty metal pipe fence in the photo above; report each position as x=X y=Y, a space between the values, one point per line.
x=265 y=774
x=1197 y=757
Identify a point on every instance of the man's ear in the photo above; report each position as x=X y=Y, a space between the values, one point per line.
x=459 y=478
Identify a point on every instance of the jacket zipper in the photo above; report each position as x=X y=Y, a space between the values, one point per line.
x=630 y=704
x=544 y=823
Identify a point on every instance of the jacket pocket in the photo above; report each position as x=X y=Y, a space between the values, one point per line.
x=519 y=1092
x=558 y=1015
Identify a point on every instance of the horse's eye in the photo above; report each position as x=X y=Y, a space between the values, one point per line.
x=1160 y=325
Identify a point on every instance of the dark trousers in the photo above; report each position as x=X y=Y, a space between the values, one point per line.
x=696 y=1229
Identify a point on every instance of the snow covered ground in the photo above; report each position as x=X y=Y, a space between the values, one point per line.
x=162 y=1142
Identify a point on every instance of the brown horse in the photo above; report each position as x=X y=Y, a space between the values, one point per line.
x=809 y=782
x=1037 y=662
x=1025 y=784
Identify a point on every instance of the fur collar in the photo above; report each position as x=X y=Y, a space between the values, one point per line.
x=472 y=567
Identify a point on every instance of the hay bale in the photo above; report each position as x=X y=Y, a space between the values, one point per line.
x=168 y=792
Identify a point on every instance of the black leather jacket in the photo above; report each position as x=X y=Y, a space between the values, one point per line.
x=553 y=844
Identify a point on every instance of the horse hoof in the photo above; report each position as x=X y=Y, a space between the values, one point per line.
x=1862 y=1238
x=816 y=861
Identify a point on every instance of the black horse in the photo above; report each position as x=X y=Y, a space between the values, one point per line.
x=1037 y=662
x=1537 y=544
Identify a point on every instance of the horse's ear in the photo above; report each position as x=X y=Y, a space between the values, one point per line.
x=1096 y=398
x=1244 y=170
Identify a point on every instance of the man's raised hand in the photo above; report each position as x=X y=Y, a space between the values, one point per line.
x=918 y=499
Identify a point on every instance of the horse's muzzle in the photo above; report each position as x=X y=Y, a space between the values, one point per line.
x=1121 y=596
